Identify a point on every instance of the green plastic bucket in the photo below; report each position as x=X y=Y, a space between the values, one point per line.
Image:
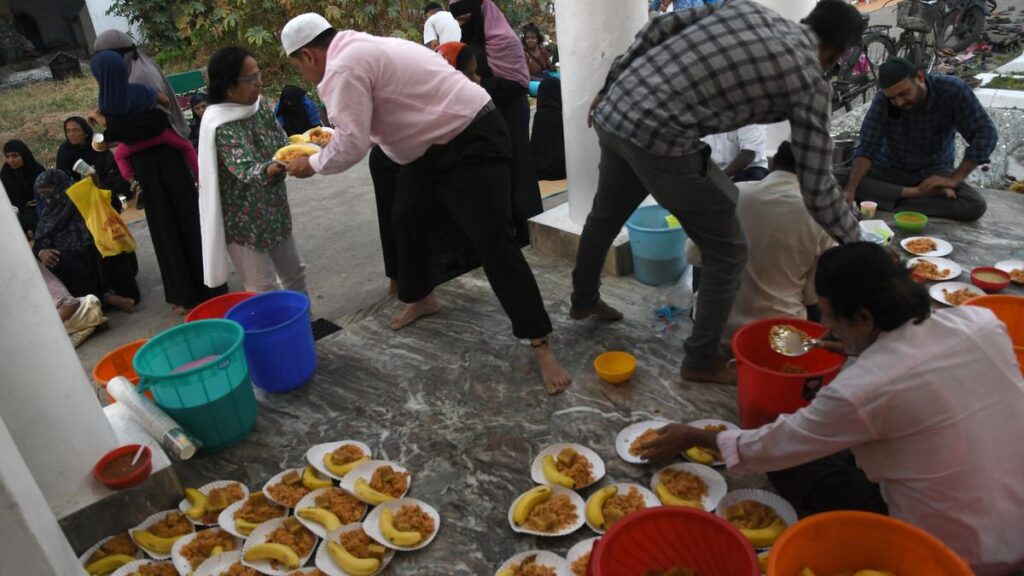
x=198 y=375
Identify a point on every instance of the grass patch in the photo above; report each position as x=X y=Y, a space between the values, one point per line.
x=35 y=113
x=1006 y=83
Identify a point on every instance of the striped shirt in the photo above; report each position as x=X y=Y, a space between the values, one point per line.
x=717 y=68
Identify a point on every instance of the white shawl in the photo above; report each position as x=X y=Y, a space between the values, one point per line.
x=211 y=218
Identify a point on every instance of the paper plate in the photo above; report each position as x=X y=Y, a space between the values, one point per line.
x=259 y=536
x=942 y=247
x=942 y=263
x=936 y=290
x=184 y=505
x=372 y=523
x=326 y=564
x=597 y=465
x=580 y=549
x=218 y=564
x=84 y=558
x=315 y=454
x=130 y=568
x=715 y=481
x=309 y=501
x=576 y=499
x=544 y=558
x=781 y=506
x=366 y=470
x=308 y=147
x=650 y=500
x=153 y=519
x=308 y=133
x=275 y=480
x=1009 y=266
x=226 y=520
x=181 y=563
x=711 y=422
x=630 y=433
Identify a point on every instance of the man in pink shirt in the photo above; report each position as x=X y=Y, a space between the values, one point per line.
x=926 y=424
x=454 y=149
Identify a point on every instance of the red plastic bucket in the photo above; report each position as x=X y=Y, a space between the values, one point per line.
x=671 y=537
x=217 y=308
x=118 y=362
x=769 y=383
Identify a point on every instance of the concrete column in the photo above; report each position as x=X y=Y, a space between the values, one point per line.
x=590 y=36
x=46 y=401
x=101 y=21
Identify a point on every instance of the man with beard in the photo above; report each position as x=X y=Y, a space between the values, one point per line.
x=906 y=152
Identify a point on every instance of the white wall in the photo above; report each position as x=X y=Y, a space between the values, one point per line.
x=101 y=22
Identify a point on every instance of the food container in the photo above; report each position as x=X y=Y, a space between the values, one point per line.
x=990 y=279
x=115 y=471
x=615 y=367
x=98 y=143
x=910 y=221
x=868 y=209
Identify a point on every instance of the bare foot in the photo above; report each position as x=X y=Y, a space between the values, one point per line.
x=392 y=286
x=68 y=310
x=717 y=372
x=413 y=312
x=179 y=310
x=121 y=303
x=556 y=379
x=601 y=309
x=948 y=193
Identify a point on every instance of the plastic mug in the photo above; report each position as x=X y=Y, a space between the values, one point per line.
x=867 y=209
x=82 y=167
x=98 y=144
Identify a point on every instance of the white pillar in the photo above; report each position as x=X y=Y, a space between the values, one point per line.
x=46 y=401
x=590 y=36
x=101 y=21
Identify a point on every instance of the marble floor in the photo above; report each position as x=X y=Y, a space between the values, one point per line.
x=457 y=400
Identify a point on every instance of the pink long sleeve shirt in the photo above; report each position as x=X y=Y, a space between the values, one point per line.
x=394 y=93
x=934 y=414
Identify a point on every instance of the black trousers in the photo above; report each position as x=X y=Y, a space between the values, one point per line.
x=469 y=177
x=830 y=483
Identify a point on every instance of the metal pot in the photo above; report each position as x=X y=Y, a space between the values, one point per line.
x=842 y=151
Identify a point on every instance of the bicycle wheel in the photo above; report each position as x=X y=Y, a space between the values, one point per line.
x=875 y=49
x=959 y=30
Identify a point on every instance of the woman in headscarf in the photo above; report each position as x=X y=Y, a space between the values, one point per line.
x=547 y=140
x=142 y=70
x=78 y=146
x=18 y=176
x=198 y=104
x=501 y=65
x=295 y=111
x=243 y=200
x=64 y=245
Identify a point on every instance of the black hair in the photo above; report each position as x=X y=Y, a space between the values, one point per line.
x=533 y=28
x=838 y=25
x=465 y=55
x=865 y=275
x=432 y=6
x=321 y=42
x=784 y=159
x=224 y=69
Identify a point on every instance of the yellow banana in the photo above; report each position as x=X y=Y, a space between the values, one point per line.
x=669 y=499
x=873 y=573
x=506 y=572
x=243 y=527
x=312 y=480
x=342 y=469
x=108 y=564
x=198 y=501
x=273 y=551
x=700 y=455
x=349 y=563
x=321 y=516
x=595 y=512
x=298 y=139
x=155 y=543
x=216 y=550
x=765 y=537
x=370 y=495
x=527 y=502
x=553 y=475
x=805 y=571
x=394 y=535
x=302 y=149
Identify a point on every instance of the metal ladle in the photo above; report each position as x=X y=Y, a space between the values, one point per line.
x=792 y=341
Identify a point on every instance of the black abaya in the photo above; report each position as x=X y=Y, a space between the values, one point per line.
x=548 y=140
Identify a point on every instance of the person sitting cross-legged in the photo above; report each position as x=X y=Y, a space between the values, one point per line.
x=906 y=152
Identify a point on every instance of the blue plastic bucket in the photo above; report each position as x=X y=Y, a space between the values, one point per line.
x=658 y=250
x=278 y=339
x=198 y=374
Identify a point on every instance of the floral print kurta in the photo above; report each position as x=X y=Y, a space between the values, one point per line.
x=255 y=206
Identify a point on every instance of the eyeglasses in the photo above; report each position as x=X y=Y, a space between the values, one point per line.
x=253 y=79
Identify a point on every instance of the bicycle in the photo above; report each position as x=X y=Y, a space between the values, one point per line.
x=855 y=79
x=921 y=21
x=963 y=23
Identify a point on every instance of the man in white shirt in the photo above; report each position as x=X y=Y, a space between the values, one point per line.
x=440 y=27
x=784 y=243
x=740 y=153
x=926 y=423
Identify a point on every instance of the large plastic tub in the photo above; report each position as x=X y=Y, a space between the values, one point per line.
x=1009 y=309
x=278 y=339
x=217 y=307
x=198 y=375
x=658 y=250
x=768 y=383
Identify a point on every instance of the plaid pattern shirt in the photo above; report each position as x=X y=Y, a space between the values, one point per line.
x=921 y=142
x=718 y=68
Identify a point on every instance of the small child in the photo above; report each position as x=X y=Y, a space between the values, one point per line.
x=118 y=97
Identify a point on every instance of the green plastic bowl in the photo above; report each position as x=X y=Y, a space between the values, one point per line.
x=910 y=221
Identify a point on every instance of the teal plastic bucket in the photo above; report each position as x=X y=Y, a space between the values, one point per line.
x=198 y=375
x=658 y=249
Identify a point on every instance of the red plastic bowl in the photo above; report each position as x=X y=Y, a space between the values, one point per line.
x=142 y=471
x=670 y=536
x=988 y=285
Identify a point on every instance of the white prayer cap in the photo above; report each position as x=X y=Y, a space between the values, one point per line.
x=301 y=30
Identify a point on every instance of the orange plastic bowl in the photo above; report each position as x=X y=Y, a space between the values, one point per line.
x=615 y=367
x=113 y=470
x=118 y=362
x=984 y=277
x=838 y=542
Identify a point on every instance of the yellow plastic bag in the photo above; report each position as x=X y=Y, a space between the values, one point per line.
x=109 y=231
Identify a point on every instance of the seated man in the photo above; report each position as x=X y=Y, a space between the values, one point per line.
x=916 y=427
x=740 y=153
x=906 y=153
x=784 y=244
